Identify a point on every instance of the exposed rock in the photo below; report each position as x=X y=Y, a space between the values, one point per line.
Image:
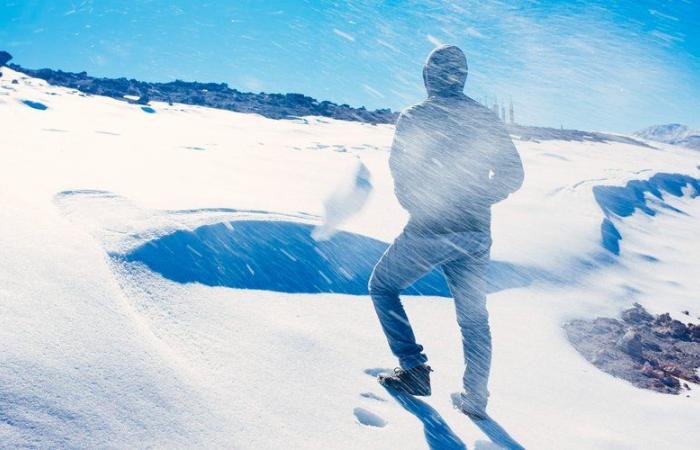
x=4 y=57
x=603 y=325
x=679 y=330
x=631 y=344
x=665 y=326
x=212 y=95
x=663 y=319
x=636 y=315
x=650 y=352
x=694 y=332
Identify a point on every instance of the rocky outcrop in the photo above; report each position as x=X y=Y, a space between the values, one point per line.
x=212 y=95
x=4 y=58
x=657 y=353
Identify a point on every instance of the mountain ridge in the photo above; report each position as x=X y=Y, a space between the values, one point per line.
x=672 y=133
x=213 y=95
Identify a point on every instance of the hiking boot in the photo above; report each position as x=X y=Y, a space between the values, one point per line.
x=471 y=405
x=414 y=381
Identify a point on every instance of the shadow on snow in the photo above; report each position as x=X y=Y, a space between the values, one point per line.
x=282 y=256
x=438 y=433
x=623 y=201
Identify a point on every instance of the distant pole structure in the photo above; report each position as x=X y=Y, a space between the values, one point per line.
x=512 y=113
x=494 y=107
x=503 y=112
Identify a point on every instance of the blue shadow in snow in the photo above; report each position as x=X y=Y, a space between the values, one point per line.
x=438 y=433
x=282 y=256
x=492 y=429
x=497 y=434
x=35 y=105
x=623 y=201
x=271 y=255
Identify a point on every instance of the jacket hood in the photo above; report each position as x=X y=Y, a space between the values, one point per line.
x=445 y=72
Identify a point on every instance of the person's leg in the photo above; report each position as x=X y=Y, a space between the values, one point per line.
x=405 y=261
x=466 y=278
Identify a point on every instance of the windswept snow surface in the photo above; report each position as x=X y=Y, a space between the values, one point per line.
x=102 y=349
x=673 y=133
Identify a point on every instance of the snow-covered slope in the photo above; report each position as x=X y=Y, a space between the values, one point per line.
x=673 y=133
x=123 y=261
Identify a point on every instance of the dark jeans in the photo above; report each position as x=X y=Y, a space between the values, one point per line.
x=463 y=258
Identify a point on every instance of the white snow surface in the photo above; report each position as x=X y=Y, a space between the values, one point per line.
x=98 y=353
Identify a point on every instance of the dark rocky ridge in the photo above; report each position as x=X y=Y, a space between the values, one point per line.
x=212 y=95
x=4 y=57
x=657 y=353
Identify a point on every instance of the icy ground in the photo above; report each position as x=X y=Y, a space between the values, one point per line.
x=124 y=325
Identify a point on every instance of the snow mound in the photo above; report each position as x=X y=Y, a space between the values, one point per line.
x=623 y=201
x=271 y=255
x=283 y=256
x=250 y=249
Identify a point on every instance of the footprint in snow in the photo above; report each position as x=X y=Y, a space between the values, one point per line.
x=372 y=396
x=368 y=418
x=487 y=445
x=35 y=105
x=376 y=371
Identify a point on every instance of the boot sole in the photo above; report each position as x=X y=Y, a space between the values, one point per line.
x=422 y=393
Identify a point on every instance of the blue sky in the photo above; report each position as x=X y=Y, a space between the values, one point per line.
x=596 y=65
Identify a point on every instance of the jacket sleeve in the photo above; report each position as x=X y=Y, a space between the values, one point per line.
x=402 y=163
x=507 y=167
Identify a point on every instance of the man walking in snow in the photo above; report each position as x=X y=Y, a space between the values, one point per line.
x=451 y=159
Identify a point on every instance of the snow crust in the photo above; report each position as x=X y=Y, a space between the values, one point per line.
x=103 y=352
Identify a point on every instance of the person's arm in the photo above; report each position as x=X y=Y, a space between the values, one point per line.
x=507 y=167
x=402 y=164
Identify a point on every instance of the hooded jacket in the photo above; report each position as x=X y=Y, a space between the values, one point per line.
x=451 y=157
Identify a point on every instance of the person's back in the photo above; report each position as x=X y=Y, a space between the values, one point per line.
x=451 y=160
x=452 y=157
